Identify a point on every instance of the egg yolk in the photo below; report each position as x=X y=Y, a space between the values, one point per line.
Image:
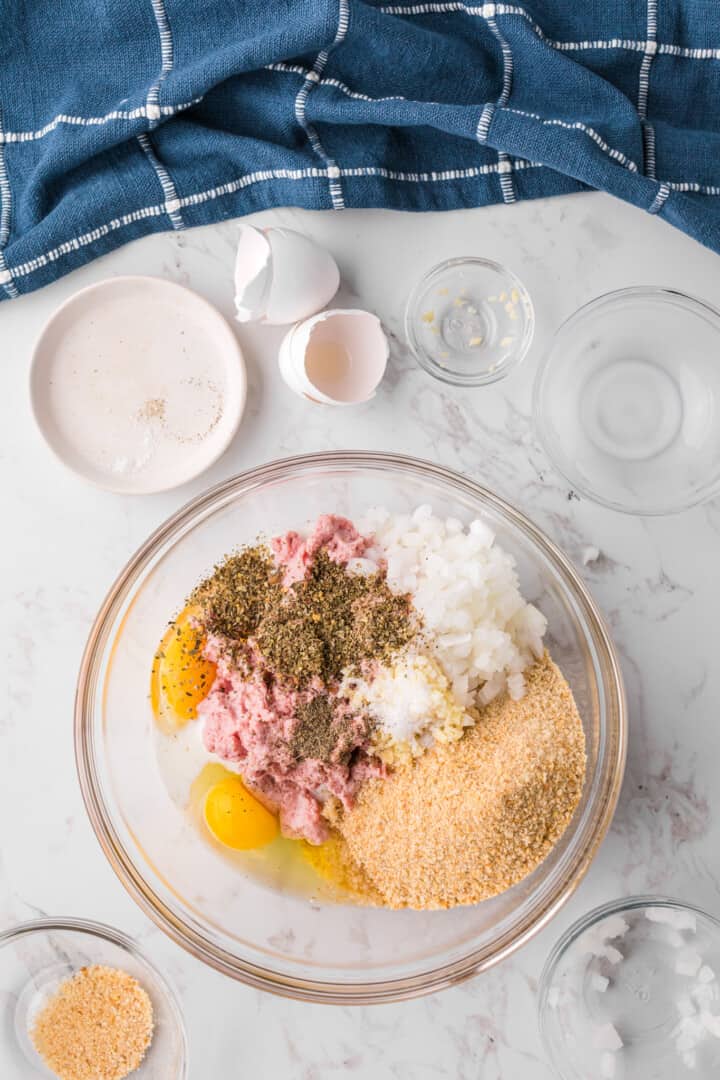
x=236 y=818
x=181 y=676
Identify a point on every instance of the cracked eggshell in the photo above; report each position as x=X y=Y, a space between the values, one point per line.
x=253 y=273
x=335 y=358
x=281 y=276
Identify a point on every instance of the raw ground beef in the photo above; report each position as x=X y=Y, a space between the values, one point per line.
x=336 y=535
x=250 y=719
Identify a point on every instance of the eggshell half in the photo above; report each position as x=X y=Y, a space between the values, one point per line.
x=336 y=358
x=281 y=276
x=253 y=273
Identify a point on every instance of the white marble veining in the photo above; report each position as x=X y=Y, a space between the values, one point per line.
x=658 y=582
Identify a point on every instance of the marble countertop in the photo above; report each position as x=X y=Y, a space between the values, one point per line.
x=657 y=581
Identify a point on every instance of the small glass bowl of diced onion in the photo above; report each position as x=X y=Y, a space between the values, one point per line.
x=631 y=991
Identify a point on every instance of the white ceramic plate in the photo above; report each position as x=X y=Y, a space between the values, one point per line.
x=137 y=384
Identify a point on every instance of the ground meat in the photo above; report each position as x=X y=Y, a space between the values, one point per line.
x=251 y=720
x=296 y=745
x=336 y=535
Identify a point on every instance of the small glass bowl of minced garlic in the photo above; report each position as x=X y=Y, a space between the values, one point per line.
x=469 y=321
x=78 y=1001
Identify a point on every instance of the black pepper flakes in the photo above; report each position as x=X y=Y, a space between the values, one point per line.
x=326 y=732
x=314 y=735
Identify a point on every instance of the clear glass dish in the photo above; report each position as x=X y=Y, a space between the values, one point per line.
x=627 y=401
x=631 y=992
x=276 y=940
x=469 y=321
x=36 y=956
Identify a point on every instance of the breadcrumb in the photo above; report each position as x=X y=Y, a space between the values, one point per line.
x=98 y=1025
x=470 y=819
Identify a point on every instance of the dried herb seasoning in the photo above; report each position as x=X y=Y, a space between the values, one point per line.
x=332 y=620
x=292 y=644
x=381 y=623
x=325 y=624
x=234 y=598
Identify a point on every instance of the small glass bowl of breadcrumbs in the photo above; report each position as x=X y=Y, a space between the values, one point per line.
x=78 y=1001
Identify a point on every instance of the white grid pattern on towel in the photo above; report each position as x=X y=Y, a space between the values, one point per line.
x=691 y=186
x=172 y=202
x=436 y=177
x=450 y=6
x=660 y=199
x=5 y=214
x=326 y=80
x=505 y=165
x=649 y=54
x=311 y=79
x=78 y=242
x=248 y=179
x=489 y=12
x=153 y=111
x=91 y=121
x=395 y=9
x=167 y=59
x=577 y=125
x=86 y=238
x=507 y=186
x=690 y=54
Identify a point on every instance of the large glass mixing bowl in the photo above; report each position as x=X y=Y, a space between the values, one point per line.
x=282 y=941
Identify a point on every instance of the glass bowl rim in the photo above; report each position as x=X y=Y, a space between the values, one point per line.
x=255 y=975
x=478 y=378
x=655 y=292
x=578 y=927
x=71 y=924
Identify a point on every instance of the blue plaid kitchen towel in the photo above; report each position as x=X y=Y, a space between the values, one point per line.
x=120 y=118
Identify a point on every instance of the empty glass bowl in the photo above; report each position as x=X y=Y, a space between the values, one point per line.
x=627 y=401
x=35 y=957
x=631 y=992
x=469 y=321
x=271 y=935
